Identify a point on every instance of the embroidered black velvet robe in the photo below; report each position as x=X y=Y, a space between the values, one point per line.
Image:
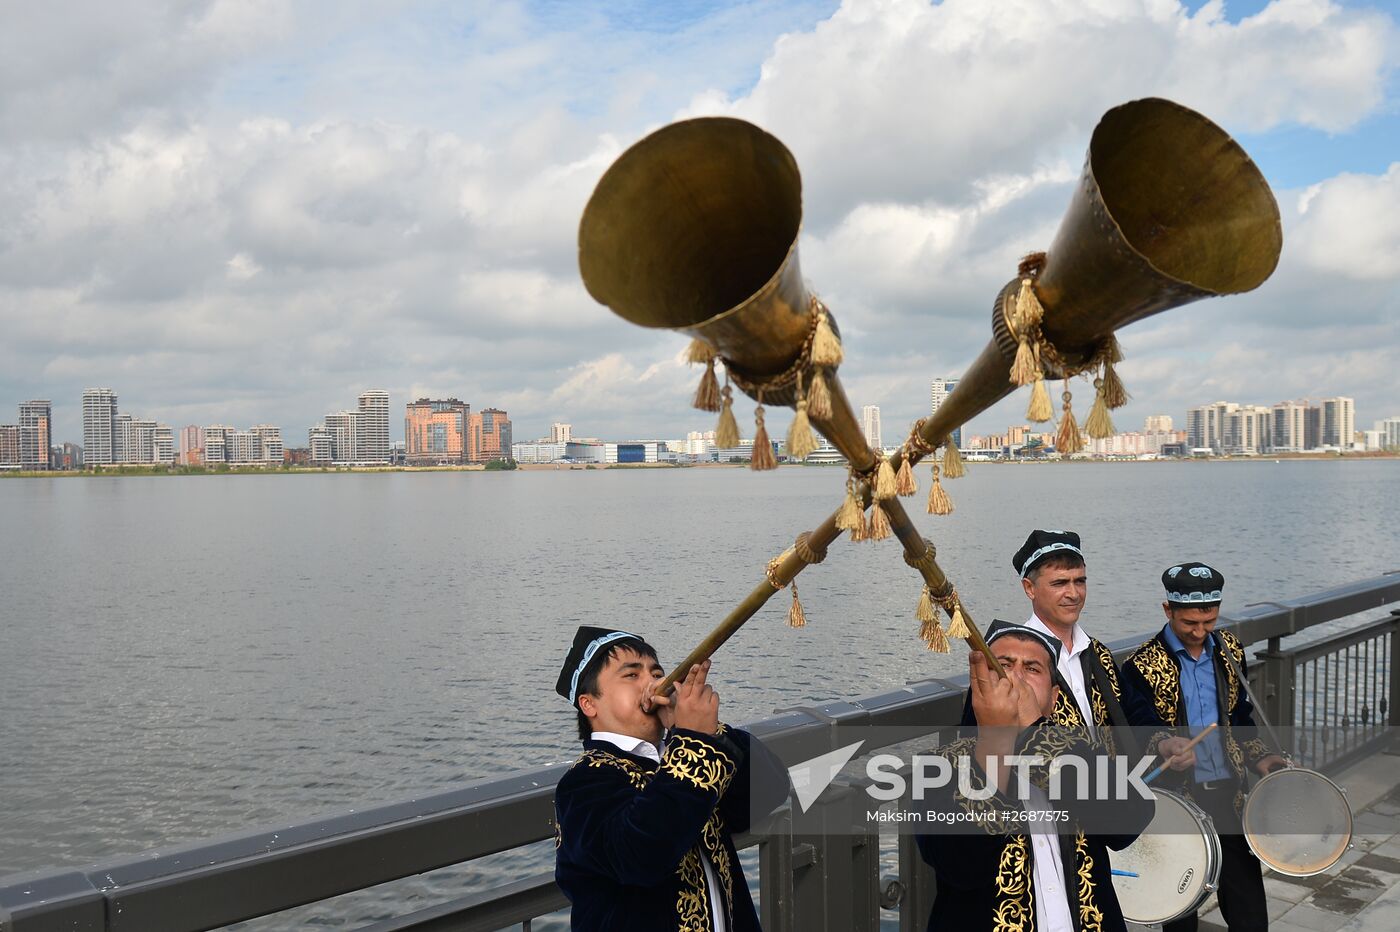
x=985 y=877
x=1153 y=699
x=631 y=835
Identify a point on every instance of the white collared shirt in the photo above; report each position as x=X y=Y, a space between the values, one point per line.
x=1047 y=869
x=1071 y=669
x=644 y=748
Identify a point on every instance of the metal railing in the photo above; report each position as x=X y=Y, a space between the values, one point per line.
x=824 y=880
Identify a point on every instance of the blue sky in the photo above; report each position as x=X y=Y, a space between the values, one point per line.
x=250 y=212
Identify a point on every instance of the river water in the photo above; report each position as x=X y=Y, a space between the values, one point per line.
x=191 y=656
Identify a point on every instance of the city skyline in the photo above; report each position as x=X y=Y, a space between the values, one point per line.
x=176 y=229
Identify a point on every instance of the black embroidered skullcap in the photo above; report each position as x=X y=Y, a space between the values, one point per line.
x=588 y=643
x=999 y=629
x=1042 y=544
x=1194 y=584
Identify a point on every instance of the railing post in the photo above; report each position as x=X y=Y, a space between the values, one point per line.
x=1272 y=679
x=1393 y=693
x=838 y=890
x=775 y=866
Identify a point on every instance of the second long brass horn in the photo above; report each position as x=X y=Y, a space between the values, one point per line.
x=694 y=228
x=1169 y=209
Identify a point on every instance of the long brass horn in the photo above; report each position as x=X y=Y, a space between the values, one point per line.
x=1169 y=210
x=694 y=228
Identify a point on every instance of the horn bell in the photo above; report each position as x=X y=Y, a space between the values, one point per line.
x=694 y=228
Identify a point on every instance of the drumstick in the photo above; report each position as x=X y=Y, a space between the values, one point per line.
x=1191 y=744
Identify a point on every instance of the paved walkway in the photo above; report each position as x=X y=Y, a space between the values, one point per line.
x=1362 y=892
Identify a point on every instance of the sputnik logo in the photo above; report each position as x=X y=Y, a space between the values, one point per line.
x=811 y=777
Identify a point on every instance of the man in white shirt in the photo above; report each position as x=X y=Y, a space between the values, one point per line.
x=1054 y=579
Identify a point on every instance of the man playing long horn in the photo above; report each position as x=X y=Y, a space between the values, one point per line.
x=1032 y=853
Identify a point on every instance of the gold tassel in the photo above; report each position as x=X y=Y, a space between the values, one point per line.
x=818 y=398
x=932 y=633
x=699 y=351
x=727 y=431
x=904 y=483
x=762 y=447
x=1039 y=410
x=938 y=501
x=850 y=517
x=1099 y=425
x=1067 y=439
x=707 y=394
x=957 y=628
x=884 y=487
x=953 y=466
x=796 y=617
x=1029 y=312
x=925 y=612
x=1024 y=370
x=879 y=523
x=800 y=440
x=1114 y=394
x=826 y=348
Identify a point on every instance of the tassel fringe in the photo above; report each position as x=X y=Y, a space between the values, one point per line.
x=796 y=617
x=904 y=483
x=819 y=398
x=953 y=466
x=762 y=446
x=938 y=501
x=1099 y=425
x=1029 y=312
x=707 y=394
x=885 y=486
x=879 y=523
x=933 y=636
x=1039 y=410
x=1067 y=438
x=925 y=612
x=851 y=517
x=800 y=440
x=826 y=348
x=1024 y=370
x=727 y=430
x=1114 y=394
x=957 y=627
x=699 y=352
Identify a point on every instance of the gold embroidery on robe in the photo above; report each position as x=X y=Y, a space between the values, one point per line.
x=1015 y=902
x=693 y=904
x=697 y=763
x=1090 y=916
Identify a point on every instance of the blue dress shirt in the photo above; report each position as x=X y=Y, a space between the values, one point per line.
x=1199 y=694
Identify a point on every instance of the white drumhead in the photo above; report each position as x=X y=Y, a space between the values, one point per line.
x=1298 y=822
x=1176 y=859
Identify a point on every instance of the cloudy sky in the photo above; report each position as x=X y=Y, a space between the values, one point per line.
x=241 y=211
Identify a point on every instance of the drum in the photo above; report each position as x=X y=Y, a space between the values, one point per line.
x=1297 y=822
x=1176 y=861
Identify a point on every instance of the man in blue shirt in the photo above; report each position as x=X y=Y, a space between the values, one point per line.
x=1178 y=683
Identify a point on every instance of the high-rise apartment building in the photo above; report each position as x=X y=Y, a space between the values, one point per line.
x=1157 y=423
x=344 y=430
x=99 y=427
x=488 y=436
x=320 y=446
x=435 y=431
x=9 y=446
x=870 y=426
x=1389 y=430
x=1338 y=422
x=372 y=441
x=1212 y=426
x=561 y=433
x=216 y=444
x=191 y=445
x=163 y=445
x=1289 y=427
x=1312 y=428
x=35 y=434
x=939 y=391
x=270 y=449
